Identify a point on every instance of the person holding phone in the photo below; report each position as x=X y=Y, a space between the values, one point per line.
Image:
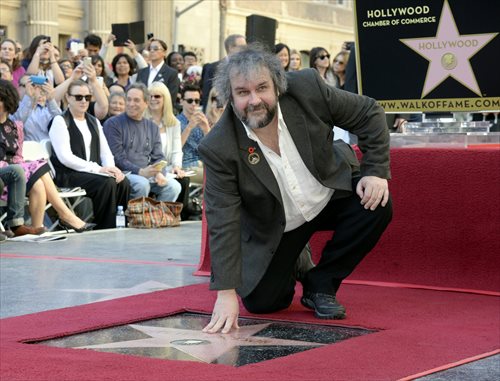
x=41 y=60
x=37 y=108
x=194 y=127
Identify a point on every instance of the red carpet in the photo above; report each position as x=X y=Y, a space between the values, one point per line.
x=419 y=330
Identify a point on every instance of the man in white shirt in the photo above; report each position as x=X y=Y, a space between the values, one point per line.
x=274 y=177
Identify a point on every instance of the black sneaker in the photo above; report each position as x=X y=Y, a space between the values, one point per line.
x=325 y=306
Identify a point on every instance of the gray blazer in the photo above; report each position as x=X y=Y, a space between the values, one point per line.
x=243 y=204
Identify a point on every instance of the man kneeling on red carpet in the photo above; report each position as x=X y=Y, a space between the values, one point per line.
x=275 y=176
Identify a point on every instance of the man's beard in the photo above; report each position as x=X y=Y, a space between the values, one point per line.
x=255 y=122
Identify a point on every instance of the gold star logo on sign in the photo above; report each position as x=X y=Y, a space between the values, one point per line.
x=449 y=53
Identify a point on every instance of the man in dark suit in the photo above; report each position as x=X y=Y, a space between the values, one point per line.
x=274 y=176
x=158 y=70
x=232 y=43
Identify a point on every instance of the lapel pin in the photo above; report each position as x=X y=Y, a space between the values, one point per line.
x=253 y=157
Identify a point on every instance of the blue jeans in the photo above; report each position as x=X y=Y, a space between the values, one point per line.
x=141 y=187
x=13 y=177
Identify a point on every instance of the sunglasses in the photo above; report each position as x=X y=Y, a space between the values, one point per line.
x=339 y=62
x=322 y=57
x=191 y=100
x=155 y=96
x=80 y=98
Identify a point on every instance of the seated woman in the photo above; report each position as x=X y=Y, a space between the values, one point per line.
x=160 y=111
x=40 y=186
x=82 y=158
x=116 y=105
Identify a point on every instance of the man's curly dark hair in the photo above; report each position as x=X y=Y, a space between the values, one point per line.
x=9 y=96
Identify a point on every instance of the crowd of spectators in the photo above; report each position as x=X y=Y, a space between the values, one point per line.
x=94 y=112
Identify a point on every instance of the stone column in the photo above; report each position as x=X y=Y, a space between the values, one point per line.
x=100 y=12
x=42 y=19
x=158 y=16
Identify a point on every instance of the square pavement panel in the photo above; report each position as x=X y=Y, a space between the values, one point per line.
x=179 y=337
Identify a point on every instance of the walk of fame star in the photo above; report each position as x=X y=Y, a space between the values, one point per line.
x=205 y=347
x=449 y=52
x=179 y=337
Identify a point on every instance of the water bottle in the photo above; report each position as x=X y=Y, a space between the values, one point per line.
x=120 y=217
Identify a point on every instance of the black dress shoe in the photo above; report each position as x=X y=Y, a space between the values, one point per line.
x=304 y=264
x=325 y=306
x=85 y=228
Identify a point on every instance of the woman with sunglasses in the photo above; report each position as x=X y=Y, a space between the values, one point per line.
x=39 y=187
x=319 y=59
x=8 y=53
x=160 y=111
x=82 y=157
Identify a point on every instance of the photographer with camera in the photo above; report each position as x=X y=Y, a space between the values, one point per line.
x=41 y=60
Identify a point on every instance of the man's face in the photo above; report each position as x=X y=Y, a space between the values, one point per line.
x=190 y=102
x=156 y=52
x=254 y=98
x=92 y=49
x=136 y=105
x=189 y=61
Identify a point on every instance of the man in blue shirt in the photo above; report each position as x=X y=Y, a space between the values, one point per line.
x=136 y=146
x=194 y=126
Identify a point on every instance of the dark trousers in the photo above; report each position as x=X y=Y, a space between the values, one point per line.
x=106 y=195
x=356 y=231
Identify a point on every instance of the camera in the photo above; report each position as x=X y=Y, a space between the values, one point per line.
x=150 y=36
x=87 y=61
x=349 y=45
x=38 y=79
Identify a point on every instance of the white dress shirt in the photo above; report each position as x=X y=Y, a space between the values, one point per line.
x=153 y=71
x=303 y=196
